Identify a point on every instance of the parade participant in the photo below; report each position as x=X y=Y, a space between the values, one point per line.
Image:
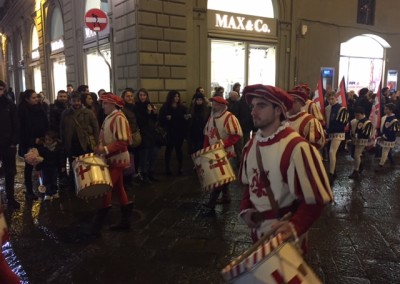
x=336 y=117
x=387 y=138
x=281 y=171
x=310 y=107
x=304 y=123
x=8 y=144
x=115 y=136
x=360 y=131
x=222 y=126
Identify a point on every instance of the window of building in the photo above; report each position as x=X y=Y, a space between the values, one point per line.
x=366 y=12
x=361 y=62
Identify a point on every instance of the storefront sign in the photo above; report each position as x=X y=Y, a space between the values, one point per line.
x=57 y=45
x=223 y=21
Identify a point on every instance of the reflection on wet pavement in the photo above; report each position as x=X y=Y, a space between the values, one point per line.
x=357 y=240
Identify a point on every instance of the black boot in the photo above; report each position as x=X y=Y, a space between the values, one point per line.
x=9 y=184
x=98 y=221
x=125 y=223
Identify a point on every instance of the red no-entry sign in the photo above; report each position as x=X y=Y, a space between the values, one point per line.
x=96 y=20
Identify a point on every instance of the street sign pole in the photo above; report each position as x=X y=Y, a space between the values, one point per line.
x=96 y=20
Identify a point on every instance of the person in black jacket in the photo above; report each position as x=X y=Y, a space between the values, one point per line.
x=56 y=110
x=146 y=117
x=8 y=143
x=173 y=117
x=53 y=157
x=33 y=125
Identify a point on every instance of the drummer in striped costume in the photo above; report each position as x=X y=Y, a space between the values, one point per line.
x=360 y=131
x=336 y=117
x=310 y=107
x=281 y=171
x=114 y=140
x=222 y=126
x=304 y=123
x=387 y=138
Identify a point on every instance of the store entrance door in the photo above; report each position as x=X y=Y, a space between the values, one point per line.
x=243 y=62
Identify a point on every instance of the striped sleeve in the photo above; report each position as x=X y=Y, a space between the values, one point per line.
x=232 y=126
x=121 y=129
x=307 y=178
x=315 y=133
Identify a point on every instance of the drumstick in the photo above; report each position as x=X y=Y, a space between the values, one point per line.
x=265 y=237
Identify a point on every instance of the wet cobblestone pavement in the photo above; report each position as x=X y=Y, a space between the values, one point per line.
x=357 y=240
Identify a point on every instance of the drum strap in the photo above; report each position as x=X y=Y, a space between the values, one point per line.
x=267 y=184
x=216 y=129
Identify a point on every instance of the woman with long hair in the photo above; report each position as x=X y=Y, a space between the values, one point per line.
x=33 y=126
x=199 y=111
x=146 y=117
x=173 y=118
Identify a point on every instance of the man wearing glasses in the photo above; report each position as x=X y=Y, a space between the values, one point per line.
x=8 y=144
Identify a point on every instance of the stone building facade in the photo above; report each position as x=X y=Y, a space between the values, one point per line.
x=162 y=45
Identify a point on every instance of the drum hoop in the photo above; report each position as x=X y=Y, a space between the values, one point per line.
x=93 y=164
x=262 y=261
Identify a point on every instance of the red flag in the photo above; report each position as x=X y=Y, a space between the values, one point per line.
x=341 y=94
x=375 y=116
x=319 y=96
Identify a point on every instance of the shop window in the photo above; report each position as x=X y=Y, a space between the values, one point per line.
x=366 y=12
x=261 y=8
x=98 y=72
x=35 y=44
x=57 y=27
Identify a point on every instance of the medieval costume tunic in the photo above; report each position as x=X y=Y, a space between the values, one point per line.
x=389 y=127
x=337 y=117
x=295 y=174
x=361 y=131
x=221 y=127
x=308 y=127
x=227 y=127
x=115 y=136
x=312 y=108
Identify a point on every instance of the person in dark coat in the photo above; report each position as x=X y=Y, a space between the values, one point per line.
x=199 y=113
x=33 y=125
x=8 y=144
x=173 y=117
x=364 y=101
x=146 y=117
x=56 y=109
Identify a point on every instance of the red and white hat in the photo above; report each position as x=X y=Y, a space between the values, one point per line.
x=299 y=94
x=219 y=100
x=272 y=94
x=112 y=99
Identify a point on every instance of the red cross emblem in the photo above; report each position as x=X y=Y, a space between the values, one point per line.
x=280 y=280
x=81 y=171
x=219 y=164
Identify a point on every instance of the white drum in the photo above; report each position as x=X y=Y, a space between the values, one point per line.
x=213 y=167
x=92 y=177
x=272 y=262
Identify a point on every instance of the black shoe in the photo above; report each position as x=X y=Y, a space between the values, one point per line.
x=30 y=196
x=354 y=175
x=331 y=178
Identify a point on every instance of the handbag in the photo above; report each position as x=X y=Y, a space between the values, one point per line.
x=136 y=138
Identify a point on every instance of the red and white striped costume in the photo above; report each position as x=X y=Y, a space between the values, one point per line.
x=115 y=136
x=309 y=128
x=228 y=128
x=312 y=108
x=296 y=177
